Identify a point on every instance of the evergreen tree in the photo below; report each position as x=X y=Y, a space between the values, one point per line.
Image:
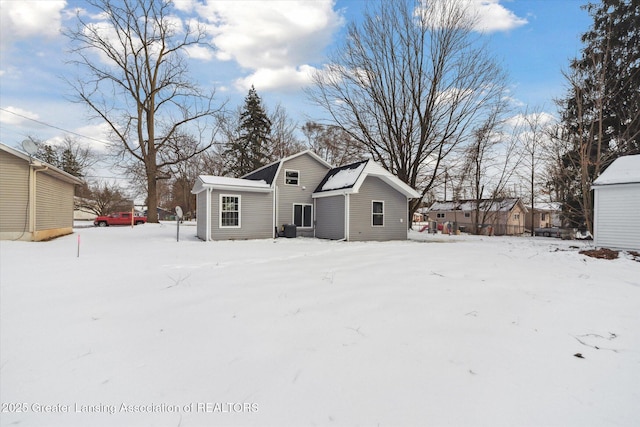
x=249 y=150
x=601 y=111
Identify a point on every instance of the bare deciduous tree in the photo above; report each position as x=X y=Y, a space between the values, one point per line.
x=410 y=84
x=134 y=77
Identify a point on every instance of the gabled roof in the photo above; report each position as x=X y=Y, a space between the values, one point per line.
x=504 y=204
x=230 y=184
x=269 y=172
x=51 y=170
x=623 y=170
x=349 y=178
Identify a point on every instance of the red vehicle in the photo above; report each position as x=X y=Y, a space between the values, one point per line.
x=119 y=218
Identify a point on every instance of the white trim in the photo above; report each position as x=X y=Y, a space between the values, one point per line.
x=347 y=207
x=220 y=211
x=208 y=214
x=293 y=216
x=372 y=213
x=297 y=184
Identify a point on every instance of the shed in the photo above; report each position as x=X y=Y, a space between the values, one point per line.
x=616 y=215
x=36 y=198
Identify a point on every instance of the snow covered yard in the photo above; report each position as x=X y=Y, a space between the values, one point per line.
x=141 y=330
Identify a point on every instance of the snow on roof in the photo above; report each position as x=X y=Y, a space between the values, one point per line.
x=623 y=170
x=344 y=178
x=224 y=181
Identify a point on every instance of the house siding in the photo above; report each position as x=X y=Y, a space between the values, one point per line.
x=616 y=217
x=395 y=212
x=330 y=217
x=201 y=215
x=311 y=174
x=14 y=194
x=54 y=203
x=255 y=216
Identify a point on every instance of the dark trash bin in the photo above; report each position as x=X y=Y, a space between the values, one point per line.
x=290 y=230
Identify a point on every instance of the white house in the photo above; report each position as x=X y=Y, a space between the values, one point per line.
x=616 y=216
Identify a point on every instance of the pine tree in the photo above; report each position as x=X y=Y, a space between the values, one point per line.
x=601 y=112
x=250 y=149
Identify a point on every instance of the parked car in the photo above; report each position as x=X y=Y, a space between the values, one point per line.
x=119 y=218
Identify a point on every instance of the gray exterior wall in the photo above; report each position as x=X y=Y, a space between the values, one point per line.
x=14 y=197
x=396 y=212
x=311 y=174
x=54 y=203
x=201 y=215
x=617 y=216
x=256 y=216
x=330 y=217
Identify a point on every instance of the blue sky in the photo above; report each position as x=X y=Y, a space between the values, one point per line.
x=271 y=44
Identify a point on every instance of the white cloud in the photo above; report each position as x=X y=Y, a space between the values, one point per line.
x=27 y=18
x=277 y=78
x=488 y=15
x=492 y=16
x=270 y=35
x=16 y=116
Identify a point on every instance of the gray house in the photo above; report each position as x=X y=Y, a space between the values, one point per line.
x=36 y=198
x=355 y=202
x=616 y=215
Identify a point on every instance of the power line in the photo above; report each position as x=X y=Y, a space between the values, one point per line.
x=54 y=127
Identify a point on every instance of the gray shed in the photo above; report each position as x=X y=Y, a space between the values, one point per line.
x=616 y=216
x=36 y=198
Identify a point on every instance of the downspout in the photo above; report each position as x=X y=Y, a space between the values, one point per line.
x=346 y=217
x=208 y=219
x=314 y=217
x=33 y=197
x=273 y=211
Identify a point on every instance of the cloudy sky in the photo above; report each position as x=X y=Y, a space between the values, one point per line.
x=273 y=45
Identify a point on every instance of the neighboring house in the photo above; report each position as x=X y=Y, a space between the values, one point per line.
x=616 y=215
x=503 y=216
x=36 y=198
x=545 y=215
x=355 y=202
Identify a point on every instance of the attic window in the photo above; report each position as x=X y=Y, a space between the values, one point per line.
x=291 y=177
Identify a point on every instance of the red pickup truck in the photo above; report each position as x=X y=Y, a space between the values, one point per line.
x=119 y=218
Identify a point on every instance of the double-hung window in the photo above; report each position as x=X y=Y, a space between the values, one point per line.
x=377 y=213
x=291 y=177
x=303 y=215
x=229 y=211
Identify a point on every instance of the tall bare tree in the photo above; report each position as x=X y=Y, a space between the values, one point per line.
x=134 y=76
x=411 y=83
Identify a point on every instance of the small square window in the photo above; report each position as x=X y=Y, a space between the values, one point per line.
x=440 y=215
x=291 y=177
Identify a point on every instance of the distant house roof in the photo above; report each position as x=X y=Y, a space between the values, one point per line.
x=504 y=204
x=623 y=170
x=348 y=179
x=269 y=172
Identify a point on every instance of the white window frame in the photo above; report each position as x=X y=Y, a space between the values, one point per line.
x=285 y=177
x=374 y=214
x=293 y=214
x=220 y=211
